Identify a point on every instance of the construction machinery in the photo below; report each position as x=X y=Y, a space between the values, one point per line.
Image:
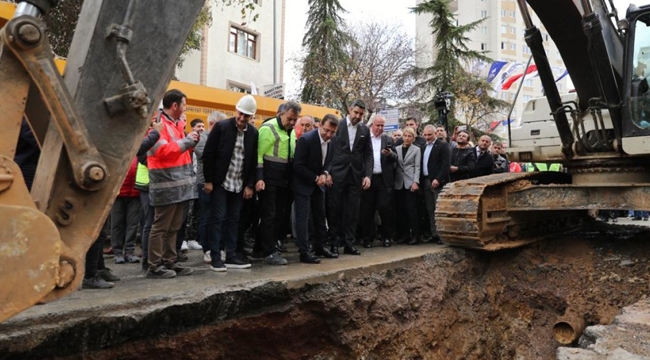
x=600 y=133
x=89 y=125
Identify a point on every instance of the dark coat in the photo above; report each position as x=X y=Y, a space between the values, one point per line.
x=439 y=162
x=307 y=162
x=484 y=165
x=465 y=160
x=219 y=148
x=419 y=141
x=359 y=161
x=387 y=162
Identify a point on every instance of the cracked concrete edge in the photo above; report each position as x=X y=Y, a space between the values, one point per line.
x=43 y=335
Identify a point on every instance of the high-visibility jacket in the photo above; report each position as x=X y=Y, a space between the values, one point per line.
x=142 y=178
x=543 y=167
x=171 y=174
x=274 y=153
x=128 y=188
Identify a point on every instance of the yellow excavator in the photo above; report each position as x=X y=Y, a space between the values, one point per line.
x=600 y=133
x=88 y=124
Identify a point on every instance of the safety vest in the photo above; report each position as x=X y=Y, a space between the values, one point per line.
x=142 y=177
x=274 y=153
x=543 y=167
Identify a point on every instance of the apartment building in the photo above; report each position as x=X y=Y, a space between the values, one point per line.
x=502 y=36
x=239 y=53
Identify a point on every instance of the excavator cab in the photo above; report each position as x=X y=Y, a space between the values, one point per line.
x=637 y=27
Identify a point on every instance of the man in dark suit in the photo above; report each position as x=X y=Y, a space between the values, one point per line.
x=484 y=160
x=313 y=156
x=351 y=170
x=229 y=167
x=379 y=196
x=436 y=155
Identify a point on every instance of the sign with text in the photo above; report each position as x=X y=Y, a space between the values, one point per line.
x=392 y=119
x=275 y=91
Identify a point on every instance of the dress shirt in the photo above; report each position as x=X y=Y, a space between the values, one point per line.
x=323 y=147
x=425 y=159
x=478 y=152
x=352 y=132
x=376 y=153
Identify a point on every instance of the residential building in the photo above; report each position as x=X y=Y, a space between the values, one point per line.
x=241 y=52
x=502 y=36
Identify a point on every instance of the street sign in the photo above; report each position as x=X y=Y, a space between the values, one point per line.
x=392 y=119
x=274 y=91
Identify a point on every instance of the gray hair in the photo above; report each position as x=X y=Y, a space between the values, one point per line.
x=215 y=116
x=375 y=116
x=430 y=127
x=293 y=106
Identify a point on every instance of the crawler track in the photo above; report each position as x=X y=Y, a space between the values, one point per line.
x=474 y=213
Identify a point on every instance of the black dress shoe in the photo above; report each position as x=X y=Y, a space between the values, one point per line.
x=386 y=242
x=367 y=244
x=334 y=250
x=351 y=250
x=414 y=240
x=324 y=252
x=427 y=239
x=308 y=258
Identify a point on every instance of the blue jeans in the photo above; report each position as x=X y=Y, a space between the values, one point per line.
x=223 y=220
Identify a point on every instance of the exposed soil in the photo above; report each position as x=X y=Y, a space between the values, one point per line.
x=456 y=304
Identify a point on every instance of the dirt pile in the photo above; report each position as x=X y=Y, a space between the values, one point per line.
x=455 y=304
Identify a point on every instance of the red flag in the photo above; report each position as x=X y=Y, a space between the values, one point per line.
x=511 y=80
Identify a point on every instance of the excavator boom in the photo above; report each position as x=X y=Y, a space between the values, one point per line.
x=90 y=124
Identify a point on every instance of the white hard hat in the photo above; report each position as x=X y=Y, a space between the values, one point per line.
x=247 y=105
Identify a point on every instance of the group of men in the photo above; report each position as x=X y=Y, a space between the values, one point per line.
x=335 y=172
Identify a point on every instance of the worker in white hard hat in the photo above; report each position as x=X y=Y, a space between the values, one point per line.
x=229 y=168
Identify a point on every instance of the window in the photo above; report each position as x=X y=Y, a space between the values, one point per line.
x=237 y=87
x=504 y=29
x=513 y=46
x=527 y=98
x=503 y=45
x=483 y=46
x=512 y=14
x=484 y=29
x=526 y=49
x=528 y=82
x=513 y=30
x=483 y=14
x=243 y=43
x=503 y=13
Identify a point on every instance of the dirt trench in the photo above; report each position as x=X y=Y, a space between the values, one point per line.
x=455 y=304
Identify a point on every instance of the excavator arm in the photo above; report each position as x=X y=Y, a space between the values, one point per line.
x=89 y=124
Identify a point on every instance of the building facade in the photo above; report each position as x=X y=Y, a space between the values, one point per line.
x=502 y=36
x=239 y=53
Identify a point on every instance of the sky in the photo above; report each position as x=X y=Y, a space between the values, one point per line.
x=359 y=11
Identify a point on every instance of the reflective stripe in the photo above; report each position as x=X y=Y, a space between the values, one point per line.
x=155 y=147
x=276 y=144
x=275 y=159
x=171 y=131
x=169 y=184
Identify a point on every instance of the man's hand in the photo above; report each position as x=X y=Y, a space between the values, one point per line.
x=259 y=186
x=453 y=168
x=365 y=184
x=328 y=180
x=157 y=125
x=207 y=188
x=248 y=192
x=414 y=187
x=321 y=180
x=386 y=152
x=435 y=184
x=194 y=136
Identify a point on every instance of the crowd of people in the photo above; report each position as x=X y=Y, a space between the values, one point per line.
x=334 y=184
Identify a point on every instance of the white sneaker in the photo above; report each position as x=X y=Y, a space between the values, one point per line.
x=194 y=245
x=184 y=246
x=223 y=255
x=207 y=258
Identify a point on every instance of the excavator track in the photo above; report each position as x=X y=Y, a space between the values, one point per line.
x=474 y=213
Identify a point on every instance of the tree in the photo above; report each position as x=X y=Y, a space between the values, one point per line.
x=452 y=56
x=325 y=43
x=378 y=57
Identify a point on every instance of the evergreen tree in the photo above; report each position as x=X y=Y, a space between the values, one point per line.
x=452 y=57
x=325 y=42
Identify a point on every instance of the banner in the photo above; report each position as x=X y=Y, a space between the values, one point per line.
x=392 y=119
x=508 y=83
x=510 y=69
x=495 y=69
x=275 y=91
